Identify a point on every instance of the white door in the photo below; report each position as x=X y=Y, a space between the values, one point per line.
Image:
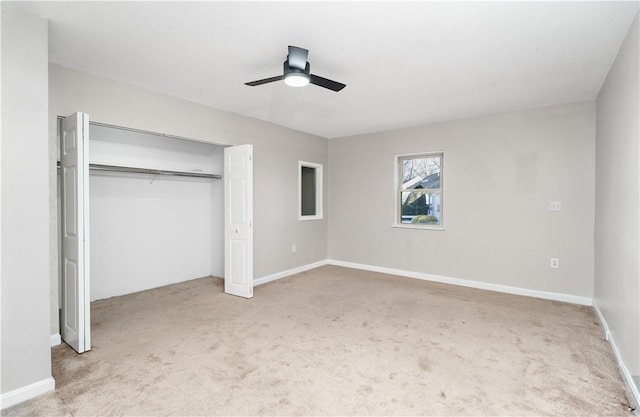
x=238 y=220
x=74 y=162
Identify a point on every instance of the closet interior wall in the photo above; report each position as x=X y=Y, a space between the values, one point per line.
x=149 y=230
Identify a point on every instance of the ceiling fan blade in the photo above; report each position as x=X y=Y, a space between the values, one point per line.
x=264 y=81
x=297 y=57
x=326 y=83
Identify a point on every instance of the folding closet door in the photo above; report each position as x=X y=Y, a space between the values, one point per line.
x=238 y=220
x=74 y=162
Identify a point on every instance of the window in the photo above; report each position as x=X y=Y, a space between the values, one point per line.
x=310 y=184
x=419 y=190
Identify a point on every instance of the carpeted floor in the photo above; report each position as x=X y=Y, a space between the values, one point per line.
x=335 y=341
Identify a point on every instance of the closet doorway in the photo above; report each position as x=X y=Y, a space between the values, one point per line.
x=140 y=210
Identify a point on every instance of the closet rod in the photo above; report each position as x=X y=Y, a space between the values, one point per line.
x=134 y=170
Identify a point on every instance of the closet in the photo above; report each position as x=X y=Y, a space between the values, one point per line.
x=152 y=228
x=154 y=215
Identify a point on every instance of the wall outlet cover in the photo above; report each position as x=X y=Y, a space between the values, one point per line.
x=555 y=206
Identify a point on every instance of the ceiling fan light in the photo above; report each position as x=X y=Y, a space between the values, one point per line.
x=296 y=79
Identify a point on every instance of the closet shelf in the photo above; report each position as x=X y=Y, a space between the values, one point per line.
x=136 y=170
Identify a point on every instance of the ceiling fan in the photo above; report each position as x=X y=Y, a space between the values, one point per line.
x=297 y=72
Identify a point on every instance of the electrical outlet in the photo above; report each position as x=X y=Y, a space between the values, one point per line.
x=555 y=206
x=554 y=263
x=294 y=248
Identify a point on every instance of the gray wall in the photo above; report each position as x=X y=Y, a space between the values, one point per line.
x=277 y=151
x=500 y=174
x=617 y=249
x=26 y=357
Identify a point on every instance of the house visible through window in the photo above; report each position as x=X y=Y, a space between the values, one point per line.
x=419 y=190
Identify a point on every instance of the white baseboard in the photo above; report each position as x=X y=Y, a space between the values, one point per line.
x=28 y=392
x=278 y=275
x=55 y=340
x=626 y=375
x=574 y=299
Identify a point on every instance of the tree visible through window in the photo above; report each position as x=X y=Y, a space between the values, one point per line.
x=420 y=189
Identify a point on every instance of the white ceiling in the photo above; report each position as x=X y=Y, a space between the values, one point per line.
x=404 y=64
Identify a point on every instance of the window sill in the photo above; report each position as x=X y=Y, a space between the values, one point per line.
x=411 y=226
x=306 y=218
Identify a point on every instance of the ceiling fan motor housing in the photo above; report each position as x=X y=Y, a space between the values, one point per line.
x=296 y=77
x=289 y=69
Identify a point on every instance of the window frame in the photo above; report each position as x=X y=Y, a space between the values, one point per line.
x=319 y=186
x=397 y=188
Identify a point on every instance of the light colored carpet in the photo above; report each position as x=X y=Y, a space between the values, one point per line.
x=335 y=341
